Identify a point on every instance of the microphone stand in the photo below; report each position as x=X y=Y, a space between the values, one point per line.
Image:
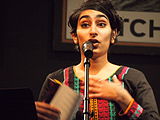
x=86 y=87
x=88 y=52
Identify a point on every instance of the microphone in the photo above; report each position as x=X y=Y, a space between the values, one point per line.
x=87 y=48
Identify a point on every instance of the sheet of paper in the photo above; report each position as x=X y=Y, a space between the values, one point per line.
x=67 y=100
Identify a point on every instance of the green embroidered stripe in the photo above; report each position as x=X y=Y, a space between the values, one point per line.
x=77 y=89
x=76 y=84
x=112 y=106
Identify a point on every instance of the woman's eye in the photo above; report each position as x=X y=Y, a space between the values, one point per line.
x=84 y=25
x=101 y=24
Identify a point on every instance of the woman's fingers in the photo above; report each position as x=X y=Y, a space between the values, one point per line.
x=46 y=111
x=103 y=88
x=115 y=79
x=43 y=117
x=44 y=105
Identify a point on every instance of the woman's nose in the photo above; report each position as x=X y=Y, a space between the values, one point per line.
x=93 y=34
x=93 y=31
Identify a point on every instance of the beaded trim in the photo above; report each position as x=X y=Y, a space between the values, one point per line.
x=95 y=102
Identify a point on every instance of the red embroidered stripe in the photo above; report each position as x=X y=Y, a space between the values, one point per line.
x=103 y=108
x=124 y=70
x=82 y=103
x=66 y=76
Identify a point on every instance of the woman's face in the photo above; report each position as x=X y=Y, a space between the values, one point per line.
x=94 y=26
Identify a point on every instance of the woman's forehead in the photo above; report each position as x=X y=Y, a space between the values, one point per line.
x=92 y=13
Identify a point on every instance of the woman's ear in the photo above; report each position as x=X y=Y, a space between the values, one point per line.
x=114 y=36
x=74 y=37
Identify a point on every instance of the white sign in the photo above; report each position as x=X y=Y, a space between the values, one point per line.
x=138 y=27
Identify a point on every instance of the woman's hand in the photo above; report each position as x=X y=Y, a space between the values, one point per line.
x=109 y=90
x=46 y=111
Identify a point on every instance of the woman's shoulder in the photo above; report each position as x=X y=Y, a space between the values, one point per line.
x=59 y=74
x=129 y=71
x=132 y=75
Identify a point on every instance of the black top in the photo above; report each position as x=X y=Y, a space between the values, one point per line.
x=134 y=82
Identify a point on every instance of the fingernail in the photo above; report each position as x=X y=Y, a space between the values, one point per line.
x=114 y=76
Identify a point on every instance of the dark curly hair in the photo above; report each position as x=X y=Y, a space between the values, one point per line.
x=104 y=6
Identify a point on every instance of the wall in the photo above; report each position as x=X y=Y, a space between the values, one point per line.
x=26 y=55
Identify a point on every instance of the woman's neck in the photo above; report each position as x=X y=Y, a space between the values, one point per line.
x=96 y=65
x=100 y=68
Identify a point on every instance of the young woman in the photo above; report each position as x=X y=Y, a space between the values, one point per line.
x=115 y=92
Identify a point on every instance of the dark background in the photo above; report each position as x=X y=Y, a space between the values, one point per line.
x=26 y=47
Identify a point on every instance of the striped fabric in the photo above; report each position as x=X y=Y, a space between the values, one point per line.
x=103 y=109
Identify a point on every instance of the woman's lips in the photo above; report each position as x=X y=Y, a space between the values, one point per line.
x=95 y=43
x=94 y=40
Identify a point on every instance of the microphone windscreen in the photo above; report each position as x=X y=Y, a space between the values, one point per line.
x=87 y=48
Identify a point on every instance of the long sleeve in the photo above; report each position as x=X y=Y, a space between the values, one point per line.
x=49 y=88
x=141 y=91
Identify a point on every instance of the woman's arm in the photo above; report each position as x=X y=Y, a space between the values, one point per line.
x=141 y=91
x=45 y=111
x=144 y=105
